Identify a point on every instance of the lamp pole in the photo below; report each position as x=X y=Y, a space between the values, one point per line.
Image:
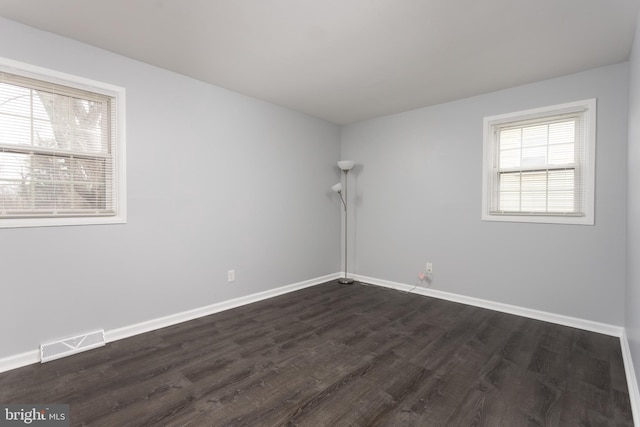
x=345 y=166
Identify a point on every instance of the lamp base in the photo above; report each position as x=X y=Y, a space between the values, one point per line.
x=345 y=281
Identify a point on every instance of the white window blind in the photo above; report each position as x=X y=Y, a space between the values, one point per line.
x=58 y=150
x=539 y=165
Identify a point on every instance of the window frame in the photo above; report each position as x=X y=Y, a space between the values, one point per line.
x=583 y=165
x=118 y=95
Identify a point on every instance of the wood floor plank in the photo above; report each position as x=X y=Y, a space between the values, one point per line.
x=336 y=355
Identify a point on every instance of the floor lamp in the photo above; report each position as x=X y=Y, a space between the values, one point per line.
x=345 y=166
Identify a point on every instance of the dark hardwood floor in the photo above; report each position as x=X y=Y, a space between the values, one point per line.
x=336 y=355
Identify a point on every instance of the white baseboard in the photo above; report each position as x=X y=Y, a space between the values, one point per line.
x=574 y=322
x=19 y=360
x=587 y=325
x=30 y=357
x=173 y=319
x=634 y=392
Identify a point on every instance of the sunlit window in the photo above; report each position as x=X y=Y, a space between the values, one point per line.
x=539 y=165
x=60 y=153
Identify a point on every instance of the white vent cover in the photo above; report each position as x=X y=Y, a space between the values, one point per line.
x=68 y=346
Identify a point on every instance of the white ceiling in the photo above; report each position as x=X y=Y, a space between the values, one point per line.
x=348 y=60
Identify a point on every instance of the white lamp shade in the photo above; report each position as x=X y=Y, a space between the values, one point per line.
x=337 y=188
x=346 y=165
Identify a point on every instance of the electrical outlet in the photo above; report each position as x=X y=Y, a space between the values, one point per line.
x=231 y=276
x=429 y=268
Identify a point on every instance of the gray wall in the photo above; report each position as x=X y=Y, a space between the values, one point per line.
x=216 y=181
x=249 y=190
x=632 y=311
x=418 y=198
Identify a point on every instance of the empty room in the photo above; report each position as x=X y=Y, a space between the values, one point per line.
x=319 y=213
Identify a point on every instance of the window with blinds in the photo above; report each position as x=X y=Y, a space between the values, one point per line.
x=539 y=165
x=61 y=150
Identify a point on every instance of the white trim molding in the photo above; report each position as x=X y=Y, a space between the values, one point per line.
x=574 y=322
x=173 y=319
x=634 y=391
x=19 y=360
x=30 y=357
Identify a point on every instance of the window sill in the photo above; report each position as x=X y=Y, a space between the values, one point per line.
x=59 y=222
x=540 y=219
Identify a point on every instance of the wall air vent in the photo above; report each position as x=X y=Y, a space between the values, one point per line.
x=68 y=346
